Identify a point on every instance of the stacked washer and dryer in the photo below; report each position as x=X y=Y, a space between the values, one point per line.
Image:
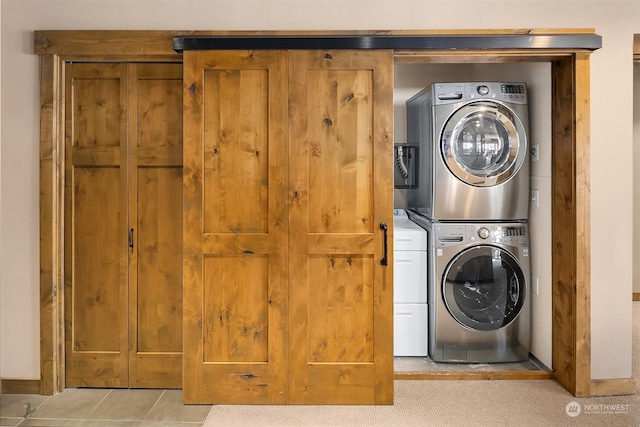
x=472 y=199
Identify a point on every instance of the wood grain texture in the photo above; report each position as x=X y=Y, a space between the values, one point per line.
x=613 y=387
x=340 y=293
x=14 y=386
x=49 y=228
x=235 y=258
x=236 y=143
x=124 y=141
x=159 y=255
x=571 y=334
x=96 y=287
x=582 y=208
x=155 y=215
x=236 y=309
x=340 y=298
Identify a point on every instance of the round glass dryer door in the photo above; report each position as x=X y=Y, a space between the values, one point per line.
x=484 y=288
x=483 y=144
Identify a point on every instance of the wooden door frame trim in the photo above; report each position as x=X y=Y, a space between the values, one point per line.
x=571 y=275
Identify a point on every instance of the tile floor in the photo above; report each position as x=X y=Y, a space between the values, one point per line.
x=101 y=408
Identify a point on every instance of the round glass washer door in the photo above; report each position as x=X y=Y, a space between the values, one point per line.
x=484 y=288
x=483 y=144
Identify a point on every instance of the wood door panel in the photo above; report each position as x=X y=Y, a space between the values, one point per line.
x=236 y=138
x=236 y=325
x=156 y=282
x=352 y=386
x=96 y=298
x=340 y=133
x=123 y=298
x=340 y=142
x=96 y=107
x=95 y=226
x=155 y=210
x=341 y=289
x=159 y=96
x=235 y=227
x=159 y=273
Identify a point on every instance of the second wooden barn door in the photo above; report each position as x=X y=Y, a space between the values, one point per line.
x=123 y=225
x=340 y=295
x=235 y=228
x=288 y=175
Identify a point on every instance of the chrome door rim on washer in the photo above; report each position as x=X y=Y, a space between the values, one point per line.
x=485 y=315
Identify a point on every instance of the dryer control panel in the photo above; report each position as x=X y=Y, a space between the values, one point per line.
x=447 y=93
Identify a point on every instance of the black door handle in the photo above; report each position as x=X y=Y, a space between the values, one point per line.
x=384 y=228
x=130 y=239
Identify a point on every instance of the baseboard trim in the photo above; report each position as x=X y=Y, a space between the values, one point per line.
x=11 y=386
x=613 y=387
x=636 y=296
x=474 y=375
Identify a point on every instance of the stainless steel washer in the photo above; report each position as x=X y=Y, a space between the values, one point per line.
x=479 y=303
x=473 y=151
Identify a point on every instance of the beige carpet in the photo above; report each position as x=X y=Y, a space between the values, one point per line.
x=454 y=403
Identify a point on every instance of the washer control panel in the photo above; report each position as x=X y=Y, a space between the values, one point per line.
x=512 y=234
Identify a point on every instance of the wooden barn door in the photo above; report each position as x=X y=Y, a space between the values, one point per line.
x=155 y=225
x=123 y=234
x=341 y=180
x=235 y=227
x=96 y=224
x=288 y=175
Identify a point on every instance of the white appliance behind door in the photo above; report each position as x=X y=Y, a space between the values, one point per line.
x=410 y=287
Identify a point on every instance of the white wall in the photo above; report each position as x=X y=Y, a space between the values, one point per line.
x=636 y=176
x=611 y=136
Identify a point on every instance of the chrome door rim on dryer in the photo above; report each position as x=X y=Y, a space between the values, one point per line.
x=465 y=136
x=458 y=127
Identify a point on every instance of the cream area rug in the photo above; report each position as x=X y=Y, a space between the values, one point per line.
x=449 y=403
x=458 y=403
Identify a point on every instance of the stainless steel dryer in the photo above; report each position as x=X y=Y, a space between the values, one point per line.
x=473 y=151
x=479 y=304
